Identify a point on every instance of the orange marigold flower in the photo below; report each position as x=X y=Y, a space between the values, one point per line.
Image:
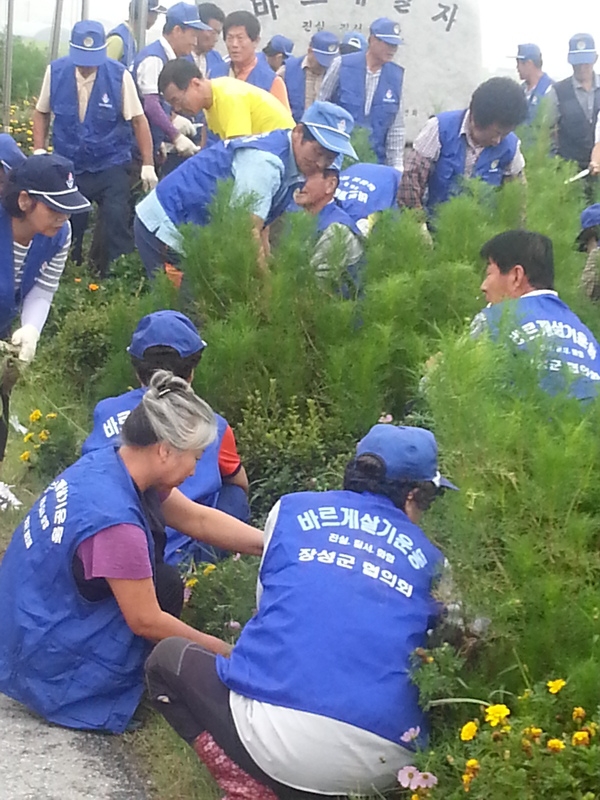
x=555 y=745
x=93 y=287
x=578 y=714
x=533 y=733
x=580 y=739
x=77 y=280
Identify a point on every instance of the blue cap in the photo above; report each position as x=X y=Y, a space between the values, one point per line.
x=186 y=16
x=50 y=179
x=356 y=40
x=325 y=46
x=169 y=329
x=331 y=126
x=528 y=52
x=11 y=154
x=590 y=216
x=582 y=49
x=156 y=7
x=387 y=30
x=409 y=454
x=281 y=44
x=87 y=47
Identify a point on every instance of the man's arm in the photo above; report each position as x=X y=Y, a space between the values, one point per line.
x=239 y=478
x=279 y=90
x=516 y=168
x=143 y=137
x=552 y=111
x=210 y=525
x=41 y=115
x=331 y=80
x=115 y=47
x=420 y=164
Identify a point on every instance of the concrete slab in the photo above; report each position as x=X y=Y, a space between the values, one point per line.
x=42 y=762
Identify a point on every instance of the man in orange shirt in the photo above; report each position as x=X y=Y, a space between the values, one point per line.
x=241 y=32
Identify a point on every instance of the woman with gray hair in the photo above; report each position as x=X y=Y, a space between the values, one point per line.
x=77 y=583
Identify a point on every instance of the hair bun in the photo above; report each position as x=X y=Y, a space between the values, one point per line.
x=164 y=382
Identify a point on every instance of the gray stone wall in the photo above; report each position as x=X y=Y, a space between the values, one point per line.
x=441 y=54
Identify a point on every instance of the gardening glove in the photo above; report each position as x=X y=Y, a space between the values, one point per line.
x=26 y=339
x=40 y=152
x=184 y=146
x=426 y=235
x=149 y=177
x=184 y=125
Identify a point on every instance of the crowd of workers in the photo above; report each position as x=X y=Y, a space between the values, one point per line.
x=315 y=699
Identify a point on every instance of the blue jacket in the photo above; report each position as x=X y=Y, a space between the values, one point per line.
x=347 y=582
x=74 y=662
x=386 y=102
x=202 y=487
x=569 y=348
x=129 y=44
x=536 y=97
x=366 y=189
x=42 y=250
x=295 y=81
x=216 y=67
x=104 y=139
x=332 y=213
x=445 y=180
x=262 y=75
x=187 y=193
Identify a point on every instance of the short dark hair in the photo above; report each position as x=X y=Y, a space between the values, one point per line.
x=499 y=100
x=269 y=50
x=10 y=198
x=208 y=11
x=245 y=20
x=538 y=62
x=169 y=26
x=532 y=251
x=179 y=71
x=307 y=134
x=167 y=358
x=332 y=173
x=367 y=474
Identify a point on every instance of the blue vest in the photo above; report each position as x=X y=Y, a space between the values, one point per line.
x=332 y=213
x=544 y=320
x=11 y=155
x=366 y=189
x=129 y=44
x=187 y=193
x=295 y=81
x=386 y=102
x=154 y=49
x=536 y=97
x=202 y=487
x=74 y=662
x=42 y=250
x=104 y=139
x=262 y=75
x=215 y=65
x=347 y=584
x=450 y=167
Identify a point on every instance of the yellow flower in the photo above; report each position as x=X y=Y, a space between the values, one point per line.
x=554 y=687
x=555 y=745
x=191 y=582
x=51 y=415
x=414 y=797
x=496 y=715
x=35 y=415
x=208 y=569
x=93 y=287
x=472 y=766
x=526 y=695
x=77 y=280
x=25 y=456
x=580 y=739
x=468 y=731
x=578 y=713
x=28 y=437
x=466 y=779
x=533 y=733
x=44 y=435
x=592 y=727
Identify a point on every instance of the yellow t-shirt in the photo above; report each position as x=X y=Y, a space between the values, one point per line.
x=240 y=109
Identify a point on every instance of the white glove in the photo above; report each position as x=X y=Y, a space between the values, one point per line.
x=184 y=125
x=426 y=235
x=40 y=152
x=149 y=177
x=26 y=339
x=185 y=146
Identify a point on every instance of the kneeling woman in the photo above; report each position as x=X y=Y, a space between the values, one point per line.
x=68 y=650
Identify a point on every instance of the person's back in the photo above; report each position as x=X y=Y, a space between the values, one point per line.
x=241 y=109
x=367 y=189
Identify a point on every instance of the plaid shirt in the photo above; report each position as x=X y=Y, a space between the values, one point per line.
x=590 y=277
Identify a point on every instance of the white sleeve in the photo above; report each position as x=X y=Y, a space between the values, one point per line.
x=427 y=143
x=147 y=75
x=36 y=307
x=269 y=528
x=517 y=165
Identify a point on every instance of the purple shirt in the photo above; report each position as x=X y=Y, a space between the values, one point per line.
x=120 y=551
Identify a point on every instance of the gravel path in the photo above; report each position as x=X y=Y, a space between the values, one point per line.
x=42 y=762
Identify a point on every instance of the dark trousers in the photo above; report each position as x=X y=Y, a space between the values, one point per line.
x=169 y=588
x=184 y=687
x=154 y=253
x=110 y=189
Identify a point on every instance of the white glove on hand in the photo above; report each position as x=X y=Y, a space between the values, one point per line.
x=149 y=177
x=185 y=146
x=26 y=339
x=40 y=152
x=184 y=125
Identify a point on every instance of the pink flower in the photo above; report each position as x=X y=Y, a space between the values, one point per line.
x=386 y=418
x=411 y=734
x=234 y=625
x=237 y=557
x=409 y=778
x=427 y=780
x=187 y=595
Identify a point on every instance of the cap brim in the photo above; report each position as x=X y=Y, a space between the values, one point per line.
x=157 y=10
x=444 y=483
x=389 y=38
x=325 y=59
x=82 y=57
x=65 y=203
x=582 y=58
x=330 y=140
x=197 y=24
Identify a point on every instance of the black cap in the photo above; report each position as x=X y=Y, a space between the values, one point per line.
x=51 y=179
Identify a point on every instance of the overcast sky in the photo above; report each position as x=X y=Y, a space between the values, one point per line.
x=505 y=23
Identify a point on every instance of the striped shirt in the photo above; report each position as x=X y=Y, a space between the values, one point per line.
x=394 y=145
x=49 y=275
